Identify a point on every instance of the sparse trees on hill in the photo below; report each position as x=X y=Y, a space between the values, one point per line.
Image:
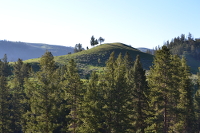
x=78 y=48
x=94 y=41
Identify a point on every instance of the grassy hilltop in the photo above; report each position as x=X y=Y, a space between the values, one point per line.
x=96 y=57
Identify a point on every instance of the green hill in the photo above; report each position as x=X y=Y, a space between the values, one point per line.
x=95 y=58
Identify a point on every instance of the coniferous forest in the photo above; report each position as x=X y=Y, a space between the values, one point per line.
x=123 y=98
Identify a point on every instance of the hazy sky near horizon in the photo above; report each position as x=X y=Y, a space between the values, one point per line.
x=144 y=23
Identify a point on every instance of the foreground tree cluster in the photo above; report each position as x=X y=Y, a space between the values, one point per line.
x=121 y=98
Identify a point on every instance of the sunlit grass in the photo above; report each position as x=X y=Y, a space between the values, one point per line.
x=94 y=59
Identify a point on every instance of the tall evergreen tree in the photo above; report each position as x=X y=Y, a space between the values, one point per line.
x=44 y=97
x=176 y=73
x=20 y=71
x=185 y=105
x=18 y=107
x=120 y=97
x=139 y=90
x=115 y=93
x=92 y=107
x=160 y=83
x=128 y=61
x=107 y=84
x=197 y=110
x=5 y=118
x=72 y=88
x=197 y=104
x=5 y=66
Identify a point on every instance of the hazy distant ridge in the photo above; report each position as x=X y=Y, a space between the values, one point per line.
x=15 y=50
x=144 y=49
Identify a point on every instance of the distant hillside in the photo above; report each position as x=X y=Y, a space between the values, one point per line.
x=187 y=47
x=95 y=58
x=25 y=51
x=143 y=49
x=147 y=50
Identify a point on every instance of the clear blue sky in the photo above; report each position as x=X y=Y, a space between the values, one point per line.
x=140 y=23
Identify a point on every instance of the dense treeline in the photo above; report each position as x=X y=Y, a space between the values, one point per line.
x=121 y=98
x=181 y=44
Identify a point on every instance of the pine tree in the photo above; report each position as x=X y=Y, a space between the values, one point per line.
x=5 y=66
x=185 y=105
x=92 y=107
x=44 y=97
x=63 y=109
x=18 y=107
x=61 y=71
x=197 y=109
x=120 y=97
x=72 y=88
x=115 y=93
x=5 y=118
x=107 y=84
x=160 y=83
x=197 y=104
x=139 y=90
x=175 y=92
x=128 y=61
x=92 y=41
x=96 y=42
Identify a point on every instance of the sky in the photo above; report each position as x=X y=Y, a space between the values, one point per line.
x=139 y=23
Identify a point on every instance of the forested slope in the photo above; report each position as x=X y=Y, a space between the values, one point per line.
x=188 y=47
x=121 y=98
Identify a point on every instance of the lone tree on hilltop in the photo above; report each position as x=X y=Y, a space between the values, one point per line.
x=101 y=40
